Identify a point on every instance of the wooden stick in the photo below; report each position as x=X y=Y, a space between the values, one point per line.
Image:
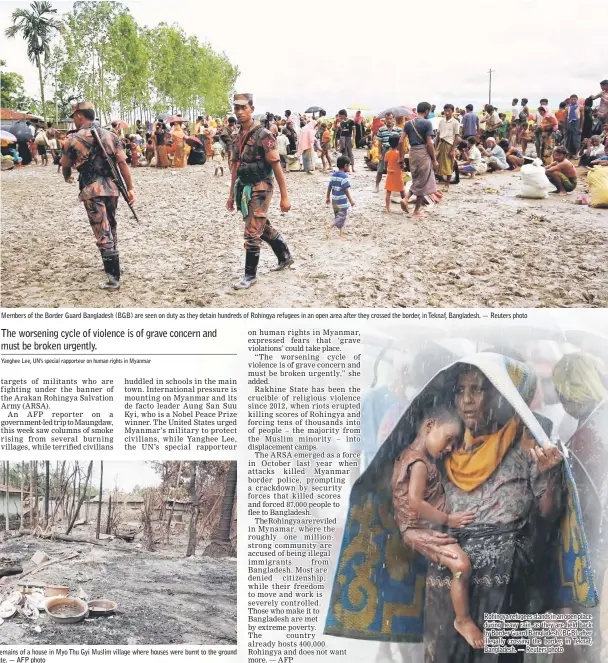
x=52 y=561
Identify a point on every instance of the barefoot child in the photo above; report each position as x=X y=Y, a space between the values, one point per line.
x=339 y=186
x=394 y=174
x=419 y=503
x=218 y=155
x=325 y=143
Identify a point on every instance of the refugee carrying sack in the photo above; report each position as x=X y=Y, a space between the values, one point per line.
x=534 y=181
x=598 y=186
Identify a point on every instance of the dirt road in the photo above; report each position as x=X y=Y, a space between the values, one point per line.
x=482 y=246
x=162 y=598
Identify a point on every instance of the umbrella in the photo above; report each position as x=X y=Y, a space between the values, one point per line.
x=314 y=109
x=177 y=118
x=397 y=111
x=259 y=116
x=163 y=116
x=120 y=123
x=20 y=131
x=193 y=141
x=5 y=135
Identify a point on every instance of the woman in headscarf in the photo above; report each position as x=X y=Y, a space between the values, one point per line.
x=209 y=132
x=179 y=137
x=160 y=141
x=511 y=477
x=306 y=146
x=581 y=381
x=548 y=127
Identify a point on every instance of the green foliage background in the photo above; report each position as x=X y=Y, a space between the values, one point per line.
x=129 y=71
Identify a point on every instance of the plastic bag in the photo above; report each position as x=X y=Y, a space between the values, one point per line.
x=534 y=181
x=598 y=186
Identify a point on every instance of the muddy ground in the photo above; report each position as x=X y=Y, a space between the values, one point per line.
x=482 y=246
x=162 y=597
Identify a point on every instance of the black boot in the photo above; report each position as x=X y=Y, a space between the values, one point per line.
x=251 y=269
x=111 y=265
x=281 y=252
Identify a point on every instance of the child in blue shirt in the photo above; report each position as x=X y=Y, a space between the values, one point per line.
x=341 y=200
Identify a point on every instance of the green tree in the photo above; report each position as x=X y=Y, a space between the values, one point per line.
x=37 y=27
x=11 y=90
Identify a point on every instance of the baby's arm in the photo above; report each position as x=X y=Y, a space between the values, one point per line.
x=418 y=476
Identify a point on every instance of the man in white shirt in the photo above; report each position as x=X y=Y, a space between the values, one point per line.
x=446 y=141
x=515 y=110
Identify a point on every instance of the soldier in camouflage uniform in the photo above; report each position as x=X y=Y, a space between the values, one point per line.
x=98 y=191
x=255 y=161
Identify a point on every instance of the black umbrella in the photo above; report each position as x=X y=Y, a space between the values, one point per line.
x=21 y=131
x=163 y=116
x=314 y=109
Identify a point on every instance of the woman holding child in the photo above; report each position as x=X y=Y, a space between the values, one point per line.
x=504 y=487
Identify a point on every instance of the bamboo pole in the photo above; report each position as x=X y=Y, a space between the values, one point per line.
x=99 y=505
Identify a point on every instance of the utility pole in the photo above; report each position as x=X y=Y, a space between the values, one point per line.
x=491 y=71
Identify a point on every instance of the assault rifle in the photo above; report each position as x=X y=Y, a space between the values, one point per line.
x=115 y=173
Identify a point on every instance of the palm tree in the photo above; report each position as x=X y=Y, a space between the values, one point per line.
x=37 y=28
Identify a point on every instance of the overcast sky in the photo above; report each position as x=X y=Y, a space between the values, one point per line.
x=292 y=55
x=124 y=475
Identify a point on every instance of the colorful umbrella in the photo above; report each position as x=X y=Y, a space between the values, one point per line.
x=177 y=118
x=5 y=135
x=193 y=141
x=398 y=111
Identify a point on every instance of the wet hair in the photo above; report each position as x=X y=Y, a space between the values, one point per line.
x=504 y=144
x=469 y=107
x=524 y=101
x=287 y=113
x=604 y=82
x=342 y=162
x=561 y=150
x=441 y=414
x=502 y=115
x=573 y=96
x=393 y=141
x=471 y=140
x=563 y=104
x=589 y=102
x=462 y=145
x=115 y=124
x=489 y=108
x=546 y=101
x=515 y=100
x=423 y=107
x=448 y=107
x=232 y=120
x=342 y=111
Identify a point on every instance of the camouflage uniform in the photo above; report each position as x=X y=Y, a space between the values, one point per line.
x=260 y=145
x=100 y=196
x=253 y=193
